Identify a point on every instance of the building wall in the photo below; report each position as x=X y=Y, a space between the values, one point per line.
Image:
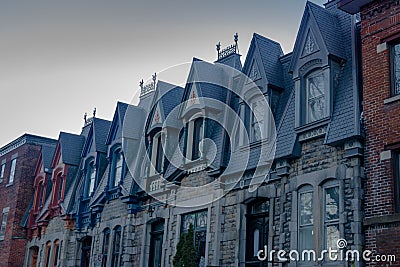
x=17 y=196
x=380 y=22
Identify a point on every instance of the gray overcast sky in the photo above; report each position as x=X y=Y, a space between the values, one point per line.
x=59 y=59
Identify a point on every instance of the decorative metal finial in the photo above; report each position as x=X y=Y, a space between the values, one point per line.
x=94 y=112
x=85 y=117
x=218 y=46
x=236 y=39
x=141 y=84
x=154 y=76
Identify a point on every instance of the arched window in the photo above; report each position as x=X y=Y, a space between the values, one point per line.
x=60 y=183
x=91 y=178
x=47 y=255
x=56 y=253
x=306 y=218
x=197 y=137
x=106 y=244
x=157 y=154
x=117 y=167
x=257 y=228
x=116 y=253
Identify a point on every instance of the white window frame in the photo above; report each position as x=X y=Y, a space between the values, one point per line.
x=154 y=152
x=11 y=177
x=2 y=170
x=314 y=74
x=3 y=226
x=190 y=138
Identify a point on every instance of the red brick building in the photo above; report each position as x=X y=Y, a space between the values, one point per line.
x=18 y=160
x=380 y=42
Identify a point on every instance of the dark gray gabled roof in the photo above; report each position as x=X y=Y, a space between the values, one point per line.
x=71 y=147
x=100 y=131
x=270 y=52
x=328 y=24
x=47 y=156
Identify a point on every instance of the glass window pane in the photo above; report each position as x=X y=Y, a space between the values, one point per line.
x=332 y=235
x=306 y=240
x=188 y=220
x=316 y=97
x=256 y=241
x=396 y=69
x=12 y=171
x=306 y=208
x=332 y=203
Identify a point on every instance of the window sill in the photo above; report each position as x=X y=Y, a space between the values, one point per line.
x=2 y=238
x=391 y=99
x=312 y=125
x=253 y=144
x=7 y=185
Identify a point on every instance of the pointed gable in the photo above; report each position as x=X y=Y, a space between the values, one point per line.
x=115 y=130
x=69 y=149
x=262 y=61
x=319 y=36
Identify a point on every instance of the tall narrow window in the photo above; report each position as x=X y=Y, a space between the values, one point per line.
x=60 y=181
x=257 y=229
x=4 y=222
x=56 y=252
x=40 y=194
x=395 y=62
x=157 y=154
x=258 y=119
x=199 y=222
x=396 y=173
x=316 y=102
x=106 y=241
x=47 y=255
x=306 y=219
x=91 y=178
x=156 y=240
x=2 y=169
x=12 y=171
x=118 y=164
x=116 y=254
x=197 y=137
x=331 y=217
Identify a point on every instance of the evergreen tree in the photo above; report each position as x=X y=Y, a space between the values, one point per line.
x=186 y=254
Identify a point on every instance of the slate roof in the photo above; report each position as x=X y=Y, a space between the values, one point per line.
x=71 y=148
x=328 y=24
x=270 y=52
x=47 y=155
x=101 y=128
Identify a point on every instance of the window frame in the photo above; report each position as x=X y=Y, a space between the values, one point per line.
x=157 y=154
x=392 y=62
x=56 y=253
x=312 y=74
x=3 y=225
x=326 y=223
x=396 y=178
x=47 y=254
x=13 y=167
x=307 y=189
x=116 y=250
x=106 y=247
x=195 y=135
x=200 y=232
x=90 y=180
x=2 y=171
x=253 y=217
x=117 y=151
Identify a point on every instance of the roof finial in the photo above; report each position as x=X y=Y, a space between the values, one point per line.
x=94 y=112
x=141 y=84
x=85 y=117
x=236 y=39
x=154 y=76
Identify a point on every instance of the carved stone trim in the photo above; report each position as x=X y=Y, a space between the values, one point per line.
x=314 y=133
x=307 y=66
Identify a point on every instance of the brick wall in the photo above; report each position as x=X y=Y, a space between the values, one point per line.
x=17 y=196
x=380 y=20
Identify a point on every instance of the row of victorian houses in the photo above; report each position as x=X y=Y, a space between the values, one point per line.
x=290 y=151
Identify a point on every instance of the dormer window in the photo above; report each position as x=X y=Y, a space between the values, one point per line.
x=316 y=101
x=117 y=165
x=157 y=154
x=40 y=192
x=195 y=134
x=60 y=182
x=91 y=178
